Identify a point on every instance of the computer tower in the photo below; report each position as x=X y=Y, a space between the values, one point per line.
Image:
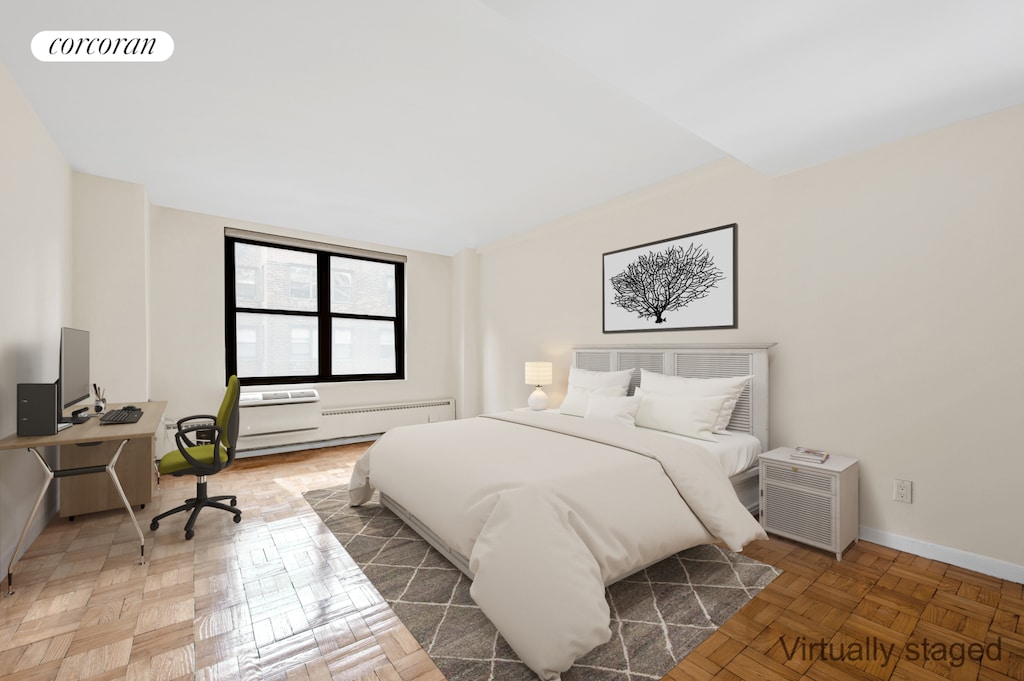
x=38 y=408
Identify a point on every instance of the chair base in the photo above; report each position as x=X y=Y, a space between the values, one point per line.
x=198 y=503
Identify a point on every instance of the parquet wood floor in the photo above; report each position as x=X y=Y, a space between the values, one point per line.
x=275 y=598
x=878 y=614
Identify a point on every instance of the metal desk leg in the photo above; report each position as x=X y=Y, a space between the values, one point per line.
x=48 y=472
x=124 y=499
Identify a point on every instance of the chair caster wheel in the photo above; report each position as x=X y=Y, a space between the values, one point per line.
x=71 y=518
x=234 y=501
x=189 y=534
x=238 y=517
x=153 y=525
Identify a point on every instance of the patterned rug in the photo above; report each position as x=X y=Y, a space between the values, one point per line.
x=658 y=615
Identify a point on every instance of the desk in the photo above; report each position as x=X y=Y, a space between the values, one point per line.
x=80 y=461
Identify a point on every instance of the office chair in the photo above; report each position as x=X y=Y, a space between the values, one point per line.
x=202 y=460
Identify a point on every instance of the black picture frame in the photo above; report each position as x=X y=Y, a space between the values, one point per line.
x=683 y=283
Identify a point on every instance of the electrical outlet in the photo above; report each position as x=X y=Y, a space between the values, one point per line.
x=902 y=491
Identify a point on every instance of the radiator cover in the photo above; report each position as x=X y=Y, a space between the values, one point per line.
x=292 y=418
x=379 y=418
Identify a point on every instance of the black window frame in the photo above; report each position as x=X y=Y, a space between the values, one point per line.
x=323 y=314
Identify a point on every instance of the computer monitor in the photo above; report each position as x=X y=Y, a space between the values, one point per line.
x=74 y=366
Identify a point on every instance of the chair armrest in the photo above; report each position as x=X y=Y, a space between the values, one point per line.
x=183 y=428
x=182 y=437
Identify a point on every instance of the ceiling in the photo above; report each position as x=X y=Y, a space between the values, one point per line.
x=448 y=124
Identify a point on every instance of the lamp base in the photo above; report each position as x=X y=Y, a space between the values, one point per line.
x=538 y=400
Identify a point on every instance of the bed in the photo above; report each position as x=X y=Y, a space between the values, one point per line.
x=542 y=510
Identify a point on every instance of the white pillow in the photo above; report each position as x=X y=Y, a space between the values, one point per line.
x=729 y=389
x=681 y=414
x=577 y=398
x=606 y=408
x=583 y=382
x=585 y=378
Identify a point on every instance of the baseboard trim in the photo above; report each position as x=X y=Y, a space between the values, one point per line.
x=965 y=559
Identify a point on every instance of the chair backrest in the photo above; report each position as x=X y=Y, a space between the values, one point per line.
x=227 y=417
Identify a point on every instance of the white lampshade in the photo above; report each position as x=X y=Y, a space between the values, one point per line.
x=538 y=373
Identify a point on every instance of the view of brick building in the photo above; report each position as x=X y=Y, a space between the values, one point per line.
x=285 y=342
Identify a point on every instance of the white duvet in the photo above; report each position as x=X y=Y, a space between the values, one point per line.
x=549 y=509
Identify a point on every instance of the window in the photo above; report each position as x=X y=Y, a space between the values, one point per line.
x=247 y=283
x=308 y=312
x=342 y=344
x=248 y=344
x=302 y=282
x=341 y=286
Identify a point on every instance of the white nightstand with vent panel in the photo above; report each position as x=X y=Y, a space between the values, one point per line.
x=813 y=503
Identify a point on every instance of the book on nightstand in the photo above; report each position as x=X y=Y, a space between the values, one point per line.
x=809 y=455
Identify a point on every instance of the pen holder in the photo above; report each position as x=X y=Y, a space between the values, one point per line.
x=100 y=406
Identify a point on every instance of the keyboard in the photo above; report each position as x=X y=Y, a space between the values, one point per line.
x=120 y=416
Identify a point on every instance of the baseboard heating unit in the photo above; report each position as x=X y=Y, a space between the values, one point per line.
x=287 y=420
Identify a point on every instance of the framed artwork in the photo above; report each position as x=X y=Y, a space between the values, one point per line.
x=684 y=283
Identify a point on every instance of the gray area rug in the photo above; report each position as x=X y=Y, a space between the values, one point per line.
x=658 y=615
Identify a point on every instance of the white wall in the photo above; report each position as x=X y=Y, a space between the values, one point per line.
x=892 y=284
x=35 y=274
x=111 y=283
x=187 y=309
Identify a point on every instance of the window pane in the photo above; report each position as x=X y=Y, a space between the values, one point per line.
x=248 y=343
x=362 y=287
x=247 y=285
x=361 y=346
x=271 y=278
x=276 y=345
x=341 y=287
x=302 y=283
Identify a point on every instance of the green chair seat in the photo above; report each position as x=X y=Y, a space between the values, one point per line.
x=174 y=461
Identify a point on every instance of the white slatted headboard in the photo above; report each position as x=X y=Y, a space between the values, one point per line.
x=695 y=361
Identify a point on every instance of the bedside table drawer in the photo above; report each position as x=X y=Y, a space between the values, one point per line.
x=800 y=477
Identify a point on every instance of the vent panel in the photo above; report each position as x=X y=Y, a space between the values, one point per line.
x=594 y=361
x=799 y=514
x=386 y=407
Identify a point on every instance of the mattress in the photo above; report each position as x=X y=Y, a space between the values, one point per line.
x=734 y=451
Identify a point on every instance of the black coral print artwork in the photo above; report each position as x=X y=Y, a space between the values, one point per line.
x=665 y=281
x=687 y=282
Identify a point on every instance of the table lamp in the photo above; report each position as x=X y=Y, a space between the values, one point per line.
x=538 y=374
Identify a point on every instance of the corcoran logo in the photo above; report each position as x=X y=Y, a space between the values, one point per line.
x=82 y=46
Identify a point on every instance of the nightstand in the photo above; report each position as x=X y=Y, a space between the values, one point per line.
x=813 y=503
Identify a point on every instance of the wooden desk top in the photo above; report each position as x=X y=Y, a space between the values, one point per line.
x=93 y=431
